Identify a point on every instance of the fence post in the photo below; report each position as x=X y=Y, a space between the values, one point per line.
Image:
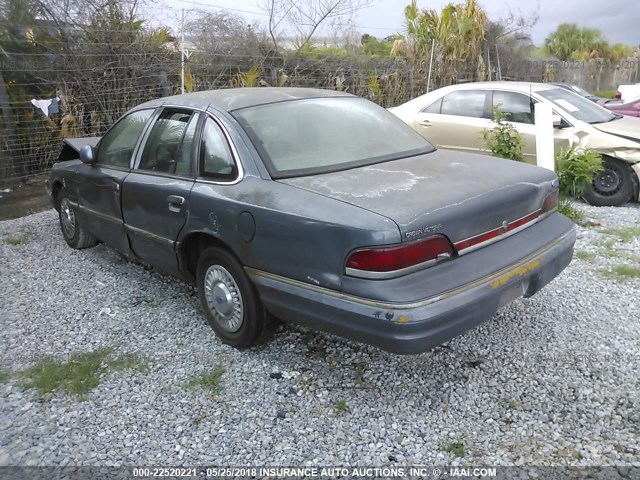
x=12 y=139
x=433 y=44
x=544 y=136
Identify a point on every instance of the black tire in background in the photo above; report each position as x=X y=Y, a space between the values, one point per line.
x=613 y=186
x=72 y=231
x=230 y=301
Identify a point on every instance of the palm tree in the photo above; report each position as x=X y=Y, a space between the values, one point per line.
x=458 y=31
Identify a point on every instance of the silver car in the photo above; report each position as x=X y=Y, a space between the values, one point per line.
x=454 y=117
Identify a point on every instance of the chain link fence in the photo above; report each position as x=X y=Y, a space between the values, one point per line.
x=72 y=84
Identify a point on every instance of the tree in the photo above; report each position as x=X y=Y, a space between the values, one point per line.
x=303 y=18
x=458 y=31
x=569 y=39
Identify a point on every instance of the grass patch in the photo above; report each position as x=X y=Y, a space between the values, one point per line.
x=456 y=449
x=622 y=272
x=584 y=255
x=129 y=361
x=572 y=213
x=210 y=380
x=18 y=239
x=606 y=93
x=81 y=374
x=625 y=234
x=4 y=375
x=340 y=406
x=607 y=244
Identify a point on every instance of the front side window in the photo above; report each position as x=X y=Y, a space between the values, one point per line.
x=170 y=144
x=465 y=103
x=116 y=147
x=319 y=135
x=216 y=160
x=517 y=106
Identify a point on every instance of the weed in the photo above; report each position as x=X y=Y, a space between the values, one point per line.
x=622 y=272
x=625 y=234
x=81 y=374
x=504 y=140
x=576 y=168
x=4 y=375
x=340 y=406
x=210 y=380
x=572 y=213
x=456 y=449
x=583 y=255
x=19 y=239
x=129 y=361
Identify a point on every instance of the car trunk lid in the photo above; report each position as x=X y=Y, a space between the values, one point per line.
x=460 y=195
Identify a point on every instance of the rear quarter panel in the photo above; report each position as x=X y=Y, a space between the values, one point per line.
x=285 y=230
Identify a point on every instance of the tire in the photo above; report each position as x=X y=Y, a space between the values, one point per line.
x=72 y=231
x=230 y=301
x=611 y=187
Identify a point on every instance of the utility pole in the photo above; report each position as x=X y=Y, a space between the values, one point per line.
x=182 y=54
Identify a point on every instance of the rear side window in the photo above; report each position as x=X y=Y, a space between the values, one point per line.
x=465 y=103
x=216 y=160
x=170 y=144
x=434 y=107
x=517 y=106
x=116 y=147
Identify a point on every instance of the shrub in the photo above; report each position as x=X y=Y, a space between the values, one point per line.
x=576 y=168
x=504 y=140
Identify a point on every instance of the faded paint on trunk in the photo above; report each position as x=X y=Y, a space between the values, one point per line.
x=454 y=193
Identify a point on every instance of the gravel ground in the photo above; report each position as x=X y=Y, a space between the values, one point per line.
x=551 y=380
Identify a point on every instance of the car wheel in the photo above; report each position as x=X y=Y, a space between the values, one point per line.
x=72 y=231
x=230 y=301
x=612 y=186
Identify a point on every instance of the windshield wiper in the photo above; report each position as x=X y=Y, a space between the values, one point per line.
x=616 y=116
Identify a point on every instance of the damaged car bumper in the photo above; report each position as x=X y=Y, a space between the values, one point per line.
x=418 y=326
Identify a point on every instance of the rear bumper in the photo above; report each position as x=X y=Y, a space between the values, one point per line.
x=413 y=327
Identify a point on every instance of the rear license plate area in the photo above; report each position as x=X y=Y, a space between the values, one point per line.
x=512 y=293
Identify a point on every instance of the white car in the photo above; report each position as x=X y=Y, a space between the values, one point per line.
x=627 y=92
x=454 y=118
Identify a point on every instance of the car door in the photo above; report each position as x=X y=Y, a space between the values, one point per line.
x=457 y=120
x=156 y=194
x=519 y=111
x=100 y=183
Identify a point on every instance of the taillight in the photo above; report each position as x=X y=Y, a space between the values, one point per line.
x=618 y=95
x=550 y=202
x=389 y=261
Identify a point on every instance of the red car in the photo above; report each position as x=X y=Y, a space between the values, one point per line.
x=630 y=107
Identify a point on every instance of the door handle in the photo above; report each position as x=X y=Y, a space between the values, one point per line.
x=425 y=123
x=175 y=202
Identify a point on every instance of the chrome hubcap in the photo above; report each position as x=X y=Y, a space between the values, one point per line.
x=68 y=218
x=224 y=298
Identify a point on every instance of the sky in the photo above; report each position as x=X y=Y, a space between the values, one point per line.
x=619 y=20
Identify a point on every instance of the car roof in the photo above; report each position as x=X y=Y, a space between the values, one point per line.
x=229 y=99
x=518 y=86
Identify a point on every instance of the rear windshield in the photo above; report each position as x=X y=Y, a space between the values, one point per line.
x=320 y=135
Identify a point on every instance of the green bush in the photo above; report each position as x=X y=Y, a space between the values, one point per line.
x=576 y=168
x=606 y=93
x=504 y=140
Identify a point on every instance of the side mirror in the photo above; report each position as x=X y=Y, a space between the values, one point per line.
x=87 y=154
x=557 y=120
